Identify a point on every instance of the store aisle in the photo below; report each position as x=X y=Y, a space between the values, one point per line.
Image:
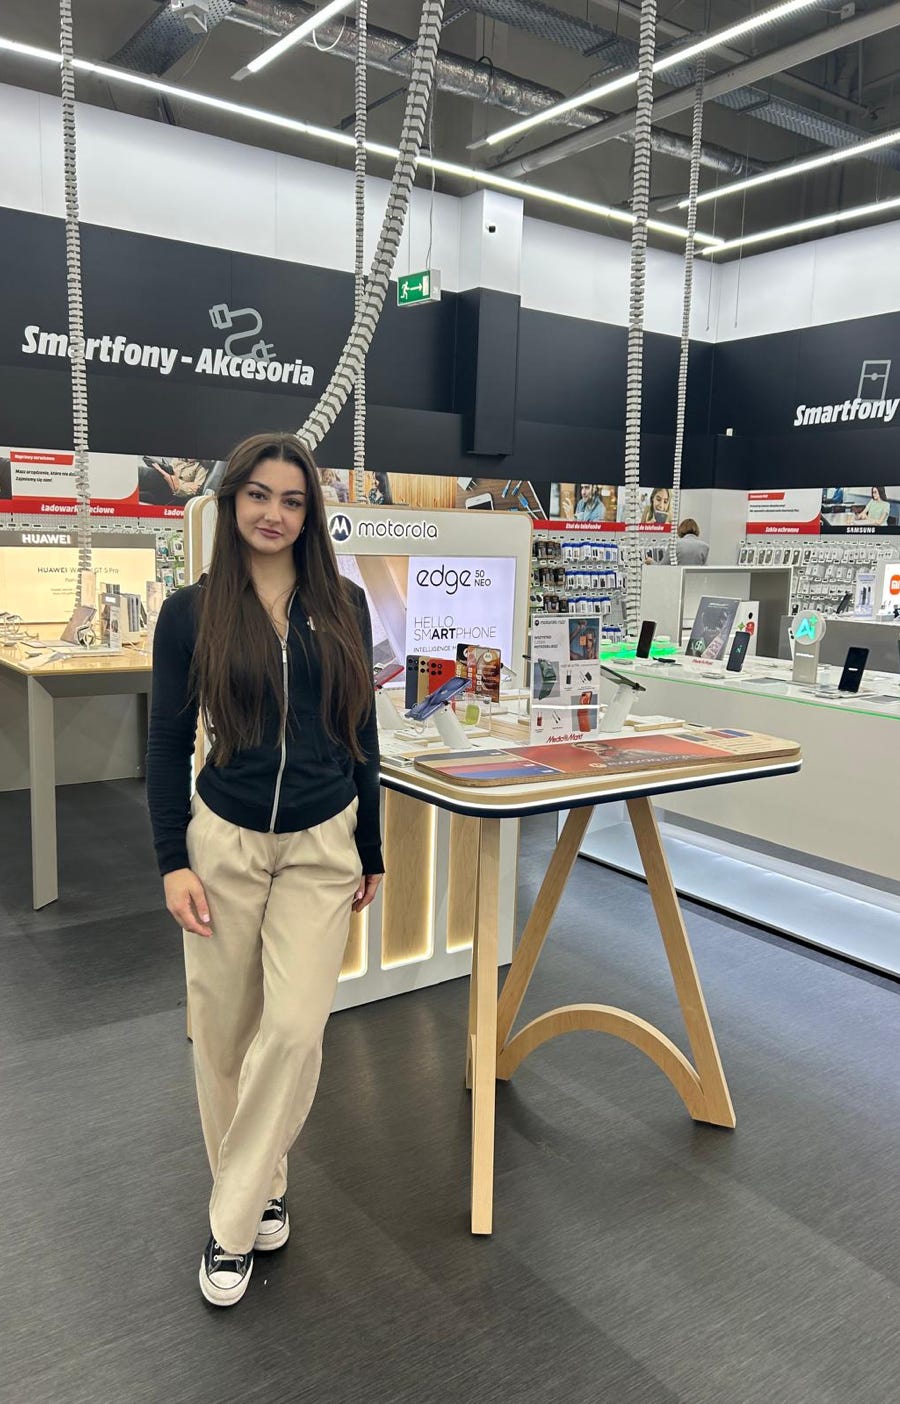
x=637 y=1259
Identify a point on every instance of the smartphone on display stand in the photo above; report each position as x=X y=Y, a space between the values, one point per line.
x=433 y=703
x=483 y=502
x=738 y=652
x=389 y=672
x=854 y=667
x=645 y=639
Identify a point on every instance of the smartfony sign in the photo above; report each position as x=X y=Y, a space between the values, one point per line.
x=873 y=375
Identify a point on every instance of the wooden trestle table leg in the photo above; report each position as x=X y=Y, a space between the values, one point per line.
x=483 y=1025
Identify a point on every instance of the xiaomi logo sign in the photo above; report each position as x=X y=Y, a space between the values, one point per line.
x=894 y=585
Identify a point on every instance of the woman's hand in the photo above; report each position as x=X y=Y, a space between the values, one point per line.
x=368 y=886
x=187 y=902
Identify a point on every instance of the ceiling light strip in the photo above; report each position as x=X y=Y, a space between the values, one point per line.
x=295 y=36
x=670 y=60
x=796 y=168
x=803 y=226
x=291 y=124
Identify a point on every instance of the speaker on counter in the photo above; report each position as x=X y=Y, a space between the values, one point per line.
x=487 y=365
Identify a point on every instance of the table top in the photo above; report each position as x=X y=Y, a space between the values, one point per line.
x=127 y=660
x=771 y=677
x=548 y=796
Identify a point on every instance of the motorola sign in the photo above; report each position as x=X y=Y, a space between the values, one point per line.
x=340 y=527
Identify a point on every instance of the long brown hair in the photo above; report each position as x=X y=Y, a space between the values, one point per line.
x=237 y=659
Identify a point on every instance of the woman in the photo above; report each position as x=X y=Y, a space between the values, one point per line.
x=689 y=548
x=659 y=509
x=380 y=494
x=589 y=507
x=877 y=509
x=281 y=840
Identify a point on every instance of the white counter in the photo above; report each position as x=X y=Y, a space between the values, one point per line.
x=837 y=812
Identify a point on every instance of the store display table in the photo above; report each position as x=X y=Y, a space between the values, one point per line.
x=492 y=1050
x=84 y=675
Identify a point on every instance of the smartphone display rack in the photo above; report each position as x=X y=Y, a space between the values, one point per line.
x=170 y=559
x=572 y=573
x=825 y=568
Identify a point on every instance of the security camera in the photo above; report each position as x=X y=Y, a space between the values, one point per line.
x=193 y=13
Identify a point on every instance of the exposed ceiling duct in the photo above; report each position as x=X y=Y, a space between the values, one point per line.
x=465 y=78
x=168 y=36
x=732 y=89
x=791 y=81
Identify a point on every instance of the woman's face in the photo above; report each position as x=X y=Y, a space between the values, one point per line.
x=270 y=507
x=586 y=491
x=661 y=500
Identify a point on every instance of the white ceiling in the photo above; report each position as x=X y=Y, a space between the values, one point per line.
x=857 y=86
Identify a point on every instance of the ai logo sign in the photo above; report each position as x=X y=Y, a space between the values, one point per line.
x=340 y=527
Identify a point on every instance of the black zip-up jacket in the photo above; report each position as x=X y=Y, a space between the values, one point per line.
x=266 y=788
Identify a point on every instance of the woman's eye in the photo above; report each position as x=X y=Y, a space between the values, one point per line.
x=295 y=506
x=257 y=497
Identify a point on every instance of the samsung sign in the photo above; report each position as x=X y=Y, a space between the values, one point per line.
x=873 y=376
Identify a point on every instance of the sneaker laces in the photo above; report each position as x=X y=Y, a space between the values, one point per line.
x=223 y=1256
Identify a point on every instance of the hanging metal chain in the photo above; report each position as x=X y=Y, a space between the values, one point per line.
x=359 y=389
x=75 y=299
x=342 y=381
x=681 y=407
x=640 y=208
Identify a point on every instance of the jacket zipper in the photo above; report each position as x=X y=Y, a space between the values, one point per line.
x=284 y=680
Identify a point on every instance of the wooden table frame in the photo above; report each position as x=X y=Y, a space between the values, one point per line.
x=101 y=677
x=492 y=1051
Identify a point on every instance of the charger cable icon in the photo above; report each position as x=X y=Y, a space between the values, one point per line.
x=224 y=317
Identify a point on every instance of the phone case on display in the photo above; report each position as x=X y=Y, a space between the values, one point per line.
x=438 y=671
x=416 y=679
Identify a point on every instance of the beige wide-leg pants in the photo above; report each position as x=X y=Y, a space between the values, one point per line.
x=260 y=991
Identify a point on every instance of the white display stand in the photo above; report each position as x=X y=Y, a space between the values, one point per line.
x=670 y=595
x=429 y=865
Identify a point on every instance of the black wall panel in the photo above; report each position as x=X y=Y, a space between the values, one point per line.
x=472 y=383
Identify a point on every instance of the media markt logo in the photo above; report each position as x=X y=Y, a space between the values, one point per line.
x=340 y=527
x=870 y=402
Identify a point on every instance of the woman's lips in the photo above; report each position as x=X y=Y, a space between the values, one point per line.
x=266 y=531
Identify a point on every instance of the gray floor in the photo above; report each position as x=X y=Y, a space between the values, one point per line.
x=637 y=1258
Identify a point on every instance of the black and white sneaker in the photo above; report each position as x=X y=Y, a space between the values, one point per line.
x=224 y=1276
x=274 y=1226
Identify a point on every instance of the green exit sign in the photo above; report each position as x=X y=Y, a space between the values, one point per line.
x=413 y=288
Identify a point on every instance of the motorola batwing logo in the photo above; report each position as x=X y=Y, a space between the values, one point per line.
x=340 y=527
x=806 y=630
